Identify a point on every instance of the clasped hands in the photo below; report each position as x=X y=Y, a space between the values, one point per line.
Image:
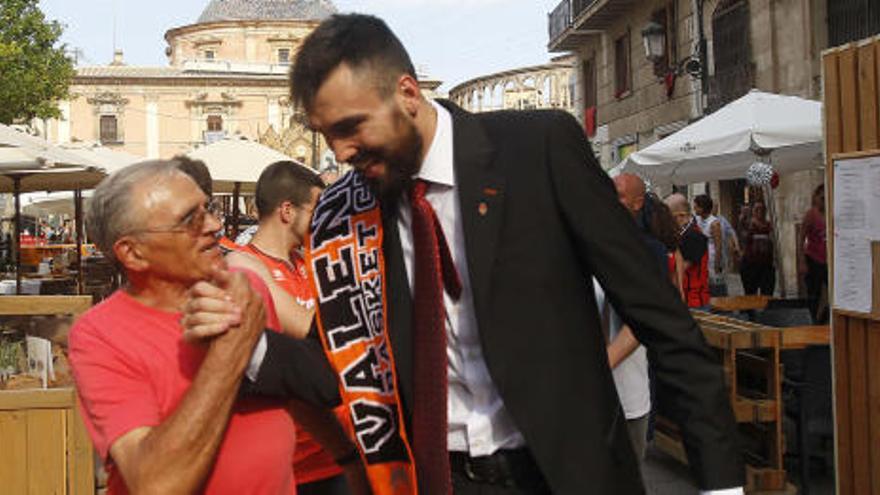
x=223 y=302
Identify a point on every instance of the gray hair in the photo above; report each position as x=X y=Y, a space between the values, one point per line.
x=110 y=216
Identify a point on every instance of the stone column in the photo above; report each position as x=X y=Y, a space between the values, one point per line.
x=152 y=126
x=64 y=122
x=274 y=114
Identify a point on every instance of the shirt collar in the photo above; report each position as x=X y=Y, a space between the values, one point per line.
x=437 y=166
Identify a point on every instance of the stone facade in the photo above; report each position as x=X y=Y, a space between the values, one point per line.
x=227 y=75
x=784 y=41
x=542 y=86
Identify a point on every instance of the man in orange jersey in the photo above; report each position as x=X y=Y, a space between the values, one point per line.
x=285 y=196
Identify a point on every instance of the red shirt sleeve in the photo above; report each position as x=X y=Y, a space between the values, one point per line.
x=117 y=398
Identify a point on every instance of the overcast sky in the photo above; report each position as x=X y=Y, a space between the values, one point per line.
x=455 y=40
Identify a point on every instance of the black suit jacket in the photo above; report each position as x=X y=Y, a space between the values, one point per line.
x=551 y=221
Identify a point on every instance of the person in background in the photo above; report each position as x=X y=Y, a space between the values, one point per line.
x=286 y=194
x=757 y=270
x=813 y=263
x=742 y=223
x=626 y=356
x=711 y=228
x=693 y=265
x=662 y=226
x=730 y=239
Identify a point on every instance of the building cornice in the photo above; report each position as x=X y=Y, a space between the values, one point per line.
x=209 y=26
x=184 y=81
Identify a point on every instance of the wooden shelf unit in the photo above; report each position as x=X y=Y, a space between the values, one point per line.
x=44 y=446
x=750 y=355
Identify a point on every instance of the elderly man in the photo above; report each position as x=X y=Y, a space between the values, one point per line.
x=161 y=412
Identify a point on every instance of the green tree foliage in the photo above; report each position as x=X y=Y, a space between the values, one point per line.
x=34 y=71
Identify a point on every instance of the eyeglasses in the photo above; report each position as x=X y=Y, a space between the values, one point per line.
x=192 y=224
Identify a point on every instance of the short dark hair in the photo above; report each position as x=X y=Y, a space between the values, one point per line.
x=704 y=202
x=363 y=42
x=198 y=171
x=284 y=181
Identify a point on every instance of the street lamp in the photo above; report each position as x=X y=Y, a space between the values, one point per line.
x=654 y=38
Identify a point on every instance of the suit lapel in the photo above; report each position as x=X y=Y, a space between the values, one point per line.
x=481 y=199
x=481 y=202
x=399 y=301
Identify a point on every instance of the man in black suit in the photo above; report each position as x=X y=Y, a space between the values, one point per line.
x=529 y=218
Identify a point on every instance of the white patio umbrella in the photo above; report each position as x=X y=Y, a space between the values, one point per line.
x=235 y=165
x=37 y=165
x=784 y=130
x=237 y=161
x=109 y=159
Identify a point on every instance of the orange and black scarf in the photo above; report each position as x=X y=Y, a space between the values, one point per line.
x=344 y=256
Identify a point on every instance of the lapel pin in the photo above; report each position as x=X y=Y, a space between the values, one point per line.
x=490 y=191
x=483 y=208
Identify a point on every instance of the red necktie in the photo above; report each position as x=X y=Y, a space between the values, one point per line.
x=433 y=270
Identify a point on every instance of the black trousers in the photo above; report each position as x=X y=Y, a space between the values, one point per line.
x=816 y=279
x=336 y=485
x=461 y=485
x=758 y=277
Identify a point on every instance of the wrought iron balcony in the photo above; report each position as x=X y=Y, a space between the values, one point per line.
x=559 y=20
x=573 y=20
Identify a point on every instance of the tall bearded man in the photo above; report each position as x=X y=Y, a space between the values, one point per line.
x=450 y=270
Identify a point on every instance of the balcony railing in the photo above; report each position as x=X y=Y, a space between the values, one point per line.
x=564 y=15
x=560 y=19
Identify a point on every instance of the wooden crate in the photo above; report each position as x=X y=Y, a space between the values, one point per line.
x=749 y=353
x=44 y=447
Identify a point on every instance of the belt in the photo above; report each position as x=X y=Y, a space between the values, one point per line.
x=504 y=467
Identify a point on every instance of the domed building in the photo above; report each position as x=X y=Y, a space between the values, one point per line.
x=227 y=76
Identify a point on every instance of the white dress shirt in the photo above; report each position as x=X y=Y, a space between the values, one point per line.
x=478 y=422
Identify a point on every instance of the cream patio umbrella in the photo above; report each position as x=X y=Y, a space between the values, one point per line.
x=235 y=165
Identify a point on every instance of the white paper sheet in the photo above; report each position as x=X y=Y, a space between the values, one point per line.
x=850 y=196
x=873 y=184
x=852 y=281
x=856 y=223
x=39 y=353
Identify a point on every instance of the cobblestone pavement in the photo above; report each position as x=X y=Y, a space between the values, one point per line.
x=665 y=476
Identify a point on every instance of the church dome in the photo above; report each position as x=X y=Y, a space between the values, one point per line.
x=267 y=10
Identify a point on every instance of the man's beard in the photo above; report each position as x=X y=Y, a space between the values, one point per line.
x=402 y=161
